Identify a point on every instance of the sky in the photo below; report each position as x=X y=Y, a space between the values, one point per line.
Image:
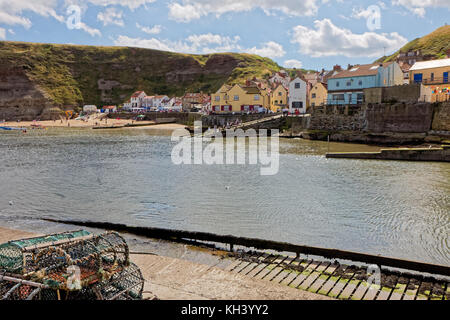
x=311 y=34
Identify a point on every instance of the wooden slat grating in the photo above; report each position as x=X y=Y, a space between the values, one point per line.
x=337 y=280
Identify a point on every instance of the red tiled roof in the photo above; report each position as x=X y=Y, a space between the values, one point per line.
x=137 y=94
x=360 y=70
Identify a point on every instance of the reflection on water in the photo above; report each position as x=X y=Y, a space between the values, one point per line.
x=393 y=208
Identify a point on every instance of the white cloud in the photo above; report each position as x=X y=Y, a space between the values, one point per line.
x=418 y=7
x=11 y=12
x=111 y=16
x=202 y=44
x=131 y=4
x=188 y=10
x=270 y=49
x=92 y=31
x=293 y=64
x=2 y=34
x=361 y=13
x=11 y=31
x=153 y=30
x=329 y=40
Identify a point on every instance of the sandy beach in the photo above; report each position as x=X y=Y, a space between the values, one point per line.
x=90 y=124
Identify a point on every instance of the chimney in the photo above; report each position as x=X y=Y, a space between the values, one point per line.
x=349 y=66
x=337 y=68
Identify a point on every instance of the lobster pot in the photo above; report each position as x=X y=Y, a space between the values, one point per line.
x=17 y=256
x=77 y=264
x=12 y=288
x=126 y=285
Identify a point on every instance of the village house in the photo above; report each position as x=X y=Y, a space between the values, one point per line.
x=239 y=99
x=148 y=103
x=347 y=87
x=412 y=56
x=137 y=99
x=281 y=77
x=90 y=109
x=194 y=100
x=433 y=74
x=109 y=109
x=298 y=96
x=160 y=102
x=318 y=95
x=279 y=98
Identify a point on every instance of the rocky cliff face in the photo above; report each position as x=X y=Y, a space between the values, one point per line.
x=37 y=78
x=20 y=98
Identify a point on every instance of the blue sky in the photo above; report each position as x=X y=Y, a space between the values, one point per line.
x=295 y=33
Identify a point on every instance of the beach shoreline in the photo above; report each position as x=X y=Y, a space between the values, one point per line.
x=89 y=124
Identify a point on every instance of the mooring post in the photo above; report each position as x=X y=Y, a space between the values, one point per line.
x=231 y=247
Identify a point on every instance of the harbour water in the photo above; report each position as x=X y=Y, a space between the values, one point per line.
x=393 y=208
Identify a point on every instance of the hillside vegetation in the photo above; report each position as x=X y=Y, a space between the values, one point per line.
x=435 y=44
x=76 y=75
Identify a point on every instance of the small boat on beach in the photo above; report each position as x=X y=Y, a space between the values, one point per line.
x=10 y=128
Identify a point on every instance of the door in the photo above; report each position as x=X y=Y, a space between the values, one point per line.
x=418 y=78
x=445 y=77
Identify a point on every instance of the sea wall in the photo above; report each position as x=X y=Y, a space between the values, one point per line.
x=185 y=118
x=404 y=93
x=435 y=154
x=382 y=123
x=398 y=117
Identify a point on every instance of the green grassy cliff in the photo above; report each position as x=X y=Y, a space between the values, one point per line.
x=76 y=75
x=435 y=44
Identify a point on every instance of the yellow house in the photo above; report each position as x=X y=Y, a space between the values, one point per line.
x=239 y=99
x=433 y=74
x=279 y=99
x=318 y=95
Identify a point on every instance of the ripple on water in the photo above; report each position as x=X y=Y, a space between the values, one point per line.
x=392 y=208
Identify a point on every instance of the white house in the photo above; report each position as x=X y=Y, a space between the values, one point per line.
x=137 y=99
x=90 y=109
x=297 y=96
x=148 y=102
x=160 y=101
x=110 y=109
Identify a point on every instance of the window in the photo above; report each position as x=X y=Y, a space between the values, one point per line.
x=360 y=82
x=360 y=97
x=256 y=98
x=337 y=84
x=276 y=101
x=297 y=85
x=280 y=93
x=338 y=97
x=313 y=104
x=297 y=105
x=418 y=78
x=432 y=76
x=217 y=98
x=349 y=83
x=225 y=97
x=236 y=98
x=313 y=96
